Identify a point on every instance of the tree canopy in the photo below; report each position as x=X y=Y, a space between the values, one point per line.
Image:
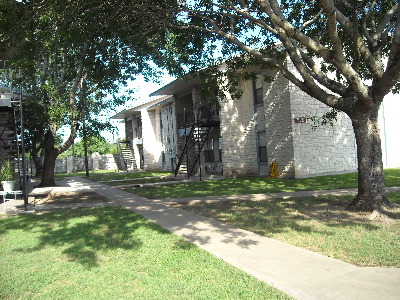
x=74 y=55
x=354 y=41
x=95 y=144
x=345 y=53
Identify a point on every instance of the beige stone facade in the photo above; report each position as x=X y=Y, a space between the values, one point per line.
x=300 y=151
x=252 y=132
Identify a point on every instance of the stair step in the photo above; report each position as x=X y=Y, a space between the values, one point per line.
x=128 y=157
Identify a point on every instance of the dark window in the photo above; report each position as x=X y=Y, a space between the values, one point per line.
x=262 y=153
x=262 y=147
x=161 y=129
x=209 y=156
x=163 y=157
x=258 y=96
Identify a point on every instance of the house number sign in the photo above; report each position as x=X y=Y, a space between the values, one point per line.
x=300 y=120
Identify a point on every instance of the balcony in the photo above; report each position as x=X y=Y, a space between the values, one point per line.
x=204 y=116
x=137 y=141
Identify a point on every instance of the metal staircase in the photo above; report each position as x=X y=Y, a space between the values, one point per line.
x=8 y=134
x=127 y=157
x=189 y=153
x=12 y=142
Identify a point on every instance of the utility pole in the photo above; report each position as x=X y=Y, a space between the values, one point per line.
x=24 y=187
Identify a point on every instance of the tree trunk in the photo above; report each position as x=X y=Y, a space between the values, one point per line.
x=38 y=165
x=50 y=153
x=371 y=179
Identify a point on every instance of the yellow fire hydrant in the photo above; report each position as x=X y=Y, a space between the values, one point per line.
x=273 y=170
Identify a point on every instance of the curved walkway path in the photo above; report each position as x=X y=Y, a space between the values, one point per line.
x=300 y=273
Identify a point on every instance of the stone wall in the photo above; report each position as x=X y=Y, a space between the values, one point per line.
x=278 y=125
x=239 y=152
x=152 y=146
x=325 y=150
x=298 y=150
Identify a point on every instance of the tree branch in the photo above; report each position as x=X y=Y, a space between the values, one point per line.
x=364 y=22
x=321 y=77
x=72 y=99
x=311 y=21
x=339 y=60
x=359 y=46
x=384 y=23
x=395 y=47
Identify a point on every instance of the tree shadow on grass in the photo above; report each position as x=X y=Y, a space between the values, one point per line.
x=81 y=233
x=276 y=216
x=250 y=216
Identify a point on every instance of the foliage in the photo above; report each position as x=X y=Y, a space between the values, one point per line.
x=343 y=53
x=75 y=58
x=7 y=170
x=109 y=253
x=348 y=39
x=329 y=117
x=95 y=144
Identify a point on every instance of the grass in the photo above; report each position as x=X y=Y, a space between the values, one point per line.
x=107 y=175
x=111 y=253
x=139 y=181
x=252 y=185
x=319 y=224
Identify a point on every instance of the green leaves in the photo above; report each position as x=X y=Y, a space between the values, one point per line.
x=329 y=118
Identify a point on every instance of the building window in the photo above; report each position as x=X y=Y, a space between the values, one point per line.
x=209 y=155
x=262 y=146
x=161 y=129
x=258 y=96
x=258 y=90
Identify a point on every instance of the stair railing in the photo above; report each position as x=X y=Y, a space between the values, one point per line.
x=193 y=141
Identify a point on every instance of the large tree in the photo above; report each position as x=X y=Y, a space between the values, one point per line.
x=73 y=51
x=346 y=54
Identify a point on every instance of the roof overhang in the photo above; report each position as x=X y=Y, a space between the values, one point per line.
x=122 y=115
x=169 y=99
x=138 y=108
x=178 y=86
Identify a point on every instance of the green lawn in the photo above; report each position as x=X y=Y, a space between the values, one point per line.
x=111 y=253
x=138 y=181
x=111 y=175
x=319 y=224
x=254 y=185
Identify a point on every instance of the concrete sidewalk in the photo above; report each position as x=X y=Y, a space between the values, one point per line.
x=300 y=273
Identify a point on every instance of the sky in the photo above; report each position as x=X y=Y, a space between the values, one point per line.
x=142 y=91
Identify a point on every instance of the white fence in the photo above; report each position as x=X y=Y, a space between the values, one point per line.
x=76 y=164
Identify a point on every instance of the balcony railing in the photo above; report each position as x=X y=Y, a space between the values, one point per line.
x=203 y=114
